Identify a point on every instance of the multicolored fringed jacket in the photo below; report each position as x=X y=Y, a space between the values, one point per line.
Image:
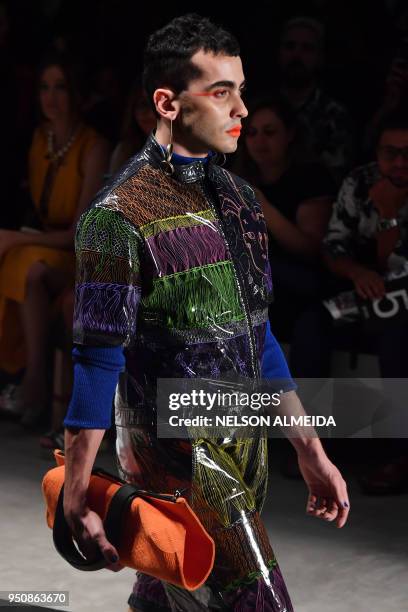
x=175 y=269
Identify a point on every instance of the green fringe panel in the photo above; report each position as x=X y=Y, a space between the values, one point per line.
x=197 y=298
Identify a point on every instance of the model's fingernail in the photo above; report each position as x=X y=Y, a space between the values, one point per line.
x=114 y=558
x=345 y=504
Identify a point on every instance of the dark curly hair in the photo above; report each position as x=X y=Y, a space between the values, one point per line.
x=168 y=53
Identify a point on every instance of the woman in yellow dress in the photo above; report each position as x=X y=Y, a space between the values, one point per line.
x=67 y=162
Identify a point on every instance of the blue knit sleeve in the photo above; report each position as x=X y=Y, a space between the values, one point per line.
x=96 y=373
x=274 y=364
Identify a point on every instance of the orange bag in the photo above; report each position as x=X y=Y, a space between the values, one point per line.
x=157 y=534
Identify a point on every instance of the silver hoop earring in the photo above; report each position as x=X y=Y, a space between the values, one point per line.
x=168 y=154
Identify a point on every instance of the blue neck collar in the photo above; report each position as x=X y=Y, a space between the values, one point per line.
x=182 y=160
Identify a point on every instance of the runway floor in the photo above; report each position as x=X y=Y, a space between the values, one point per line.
x=360 y=568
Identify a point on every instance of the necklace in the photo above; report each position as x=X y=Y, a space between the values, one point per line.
x=58 y=155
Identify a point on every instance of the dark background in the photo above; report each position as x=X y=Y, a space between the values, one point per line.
x=361 y=37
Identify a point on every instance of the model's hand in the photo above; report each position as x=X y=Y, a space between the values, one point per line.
x=88 y=532
x=328 y=498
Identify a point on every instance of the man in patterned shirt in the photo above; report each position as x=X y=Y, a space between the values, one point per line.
x=367 y=234
x=366 y=241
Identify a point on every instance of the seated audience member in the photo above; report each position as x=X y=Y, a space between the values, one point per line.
x=367 y=236
x=367 y=239
x=67 y=161
x=296 y=201
x=395 y=95
x=324 y=125
x=138 y=122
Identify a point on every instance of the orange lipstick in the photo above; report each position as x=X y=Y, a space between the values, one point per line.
x=235 y=131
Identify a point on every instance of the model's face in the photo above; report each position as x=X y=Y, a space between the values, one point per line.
x=392 y=156
x=54 y=95
x=267 y=138
x=211 y=108
x=299 y=56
